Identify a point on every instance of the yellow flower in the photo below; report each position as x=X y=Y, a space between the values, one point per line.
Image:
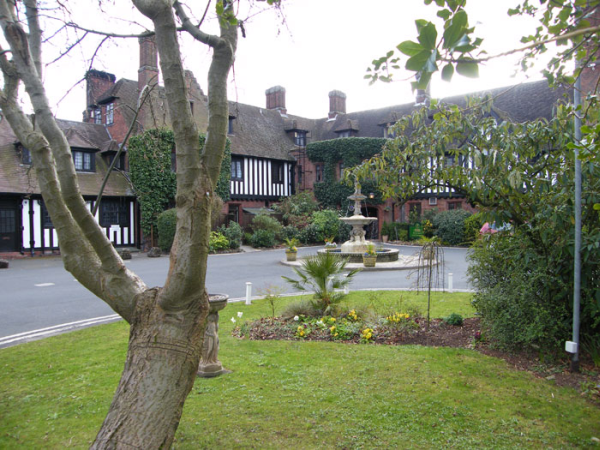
x=333 y=319
x=300 y=328
x=332 y=329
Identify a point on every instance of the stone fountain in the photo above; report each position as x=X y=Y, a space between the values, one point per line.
x=354 y=248
x=357 y=242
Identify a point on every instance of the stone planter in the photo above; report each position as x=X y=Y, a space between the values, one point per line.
x=384 y=238
x=291 y=256
x=210 y=366
x=369 y=261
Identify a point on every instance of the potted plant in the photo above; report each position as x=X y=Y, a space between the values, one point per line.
x=291 y=251
x=385 y=232
x=330 y=244
x=370 y=256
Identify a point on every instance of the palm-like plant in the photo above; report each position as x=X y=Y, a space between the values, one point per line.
x=318 y=274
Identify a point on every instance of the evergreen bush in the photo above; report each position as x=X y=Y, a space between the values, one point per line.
x=217 y=242
x=167 y=225
x=450 y=226
x=473 y=225
x=233 y=232
x=262 y=238
x=267 y=223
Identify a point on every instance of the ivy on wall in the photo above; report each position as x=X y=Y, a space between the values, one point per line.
x=153 y=180
x=331 y=193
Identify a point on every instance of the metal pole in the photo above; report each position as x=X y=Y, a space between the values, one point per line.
x=577 y=256
x=450 y=282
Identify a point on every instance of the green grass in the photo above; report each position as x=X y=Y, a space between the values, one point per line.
x=54 y=394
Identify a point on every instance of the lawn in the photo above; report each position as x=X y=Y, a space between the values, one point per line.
x=54 y=393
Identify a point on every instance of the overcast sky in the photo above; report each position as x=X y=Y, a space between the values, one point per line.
x=323 y=45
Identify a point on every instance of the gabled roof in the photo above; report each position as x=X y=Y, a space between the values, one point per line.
x=259 y=132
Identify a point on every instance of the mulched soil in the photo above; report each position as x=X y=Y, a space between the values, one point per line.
x=441 y=334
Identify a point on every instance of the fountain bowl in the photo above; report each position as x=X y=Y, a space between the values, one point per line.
x=383 y=255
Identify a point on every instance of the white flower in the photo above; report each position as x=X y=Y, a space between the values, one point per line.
x=296 y=318
x=240 y=314
x=233 y=320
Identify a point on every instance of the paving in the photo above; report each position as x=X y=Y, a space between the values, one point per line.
x=39 y=296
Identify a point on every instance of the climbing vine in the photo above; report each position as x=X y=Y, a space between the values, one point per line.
x=153 y=179
x=332 y=193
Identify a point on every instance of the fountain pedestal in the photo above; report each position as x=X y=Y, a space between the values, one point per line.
x=357 y=242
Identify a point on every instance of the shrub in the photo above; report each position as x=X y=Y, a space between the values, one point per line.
x=309 y=235
x=167 y=224
x=297 y=208
x=343 y=232
x=265 y=222
x=472 y=226
x=398 y=231
x=300 y=308
x=454 y=319
x=520 y=295
x=326 y=223
x=217 y=242
x=450 y=226
x=262 y=238
x=233 y=232
x=291 y=232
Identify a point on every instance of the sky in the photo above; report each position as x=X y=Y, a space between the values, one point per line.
x=316 y=47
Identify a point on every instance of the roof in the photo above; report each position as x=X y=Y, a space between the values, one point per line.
x=519 y=103
x=259 y=132
x=20 y=178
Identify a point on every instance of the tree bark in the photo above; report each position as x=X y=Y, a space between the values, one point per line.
x=162 y=360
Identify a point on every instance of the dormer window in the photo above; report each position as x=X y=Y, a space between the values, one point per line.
x=344 y=134
x=300 y=138
x=84 y=161
x=230 y=126
x=110 y=113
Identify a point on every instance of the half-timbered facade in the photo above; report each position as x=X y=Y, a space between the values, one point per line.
x=25 y=225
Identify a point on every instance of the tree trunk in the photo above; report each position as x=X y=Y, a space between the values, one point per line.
x=162 y=360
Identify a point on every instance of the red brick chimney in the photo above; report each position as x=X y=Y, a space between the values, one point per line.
x=276 y=99
x=97 y=83
x=148 y=71
x=337 y=103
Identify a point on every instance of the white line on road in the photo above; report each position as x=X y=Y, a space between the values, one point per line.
x=45 y=332
x=43 y=284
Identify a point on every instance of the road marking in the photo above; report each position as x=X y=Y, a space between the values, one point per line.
x=56 y=329
x=43 y=284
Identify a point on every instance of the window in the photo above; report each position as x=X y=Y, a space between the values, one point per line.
x=319 y=172
x=25 y=156
x=344 y=134
x=46 y=219
x=120 y=164
x=300 y=138
x=454 y=205
x=237 y=169
x=97 y=116
x=114 y=212
x=110 y=114
x=277 y=175
x=230 y=126
x=84 y=162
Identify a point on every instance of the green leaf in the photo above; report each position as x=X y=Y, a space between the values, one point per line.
x=424 y=61
x=410 y=48
x=447 y=72
x=468 y=69
x=428 y=36
x=444 y=14
x=456 y=31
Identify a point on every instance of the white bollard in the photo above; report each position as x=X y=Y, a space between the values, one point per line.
x=248 y=293
x=450 y=282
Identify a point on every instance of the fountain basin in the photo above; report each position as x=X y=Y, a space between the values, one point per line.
x=385 y=255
